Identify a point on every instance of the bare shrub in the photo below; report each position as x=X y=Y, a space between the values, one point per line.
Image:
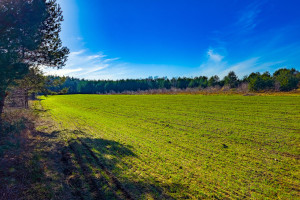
x=212 y=89
x=15 y=98
x=277 y=86
x=243 y=88
x=225 y=88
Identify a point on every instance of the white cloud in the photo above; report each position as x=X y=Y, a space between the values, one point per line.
x=82 y=64
x=75 y=53
x=248 y=18
x=112 y=72
x=217 y=64
x=213 y=64
x=214 y=56
x=241 y=68
x=62 y=72
x=255 y=64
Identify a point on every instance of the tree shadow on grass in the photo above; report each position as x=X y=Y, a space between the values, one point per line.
x=75 y=167
x=41 y=110
x=102 y=167
x=93 y=169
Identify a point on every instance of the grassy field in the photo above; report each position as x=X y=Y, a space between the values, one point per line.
x=184 y=146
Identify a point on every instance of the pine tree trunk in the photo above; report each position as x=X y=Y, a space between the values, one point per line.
x=2 y=99
x=26 y=99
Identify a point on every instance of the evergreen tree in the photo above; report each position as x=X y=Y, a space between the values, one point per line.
x=231 y=79
x=213 y=81
x=287 y=79
x=29 y=36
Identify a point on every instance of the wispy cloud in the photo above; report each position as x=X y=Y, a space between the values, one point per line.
x=82 y=64
x=243 y=68
x=248 y=66
x=214 y=56
x=249 y=50
x=245 y=22
x=249 y=17
x=217 y=64
x=61 y=72
x=213 y=64
x=113 y=71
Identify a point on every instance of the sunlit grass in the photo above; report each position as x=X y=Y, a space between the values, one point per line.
x=192 y=146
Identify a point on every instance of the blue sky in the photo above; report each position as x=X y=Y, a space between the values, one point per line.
x=115 y=39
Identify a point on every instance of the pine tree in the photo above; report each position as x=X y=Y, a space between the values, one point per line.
x=29 y=36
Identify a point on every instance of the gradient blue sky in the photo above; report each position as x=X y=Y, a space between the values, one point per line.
x=114 y=39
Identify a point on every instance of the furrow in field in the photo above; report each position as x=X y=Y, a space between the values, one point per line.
x=194 y=146
x=183 y=148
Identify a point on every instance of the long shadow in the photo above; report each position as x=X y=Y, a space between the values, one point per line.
x=41 y=110
x=79 y=168
x=94 y=169
x=103 y=158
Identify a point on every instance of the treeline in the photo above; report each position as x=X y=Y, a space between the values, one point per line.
x=281 y=80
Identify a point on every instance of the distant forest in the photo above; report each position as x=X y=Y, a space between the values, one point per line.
x=281 y=80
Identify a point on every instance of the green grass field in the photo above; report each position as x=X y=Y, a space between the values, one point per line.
x=189 y=146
